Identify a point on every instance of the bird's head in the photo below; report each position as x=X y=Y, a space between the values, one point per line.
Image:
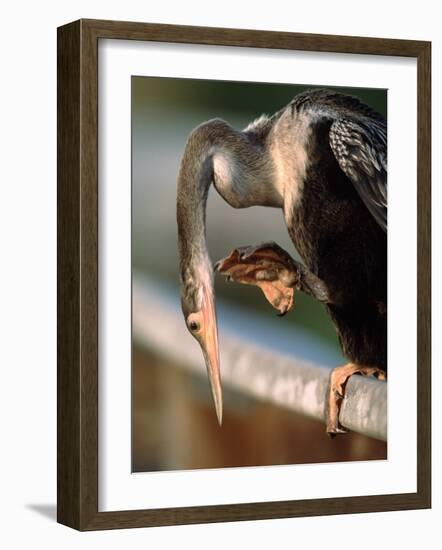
x=198 y=305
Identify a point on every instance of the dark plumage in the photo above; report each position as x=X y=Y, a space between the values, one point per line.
x=323 y=160
x=341 y=238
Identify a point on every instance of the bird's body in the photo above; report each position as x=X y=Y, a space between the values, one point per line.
x=323 y=160
x=334 y=232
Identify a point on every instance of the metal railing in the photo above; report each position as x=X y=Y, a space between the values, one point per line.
x=253 y=368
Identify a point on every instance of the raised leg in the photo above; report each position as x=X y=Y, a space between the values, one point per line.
x=336 y=391
x=274 y=271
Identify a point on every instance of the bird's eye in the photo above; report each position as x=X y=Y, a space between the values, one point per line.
x=194 y=326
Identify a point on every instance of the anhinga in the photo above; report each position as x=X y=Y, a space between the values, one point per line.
x=322 y=159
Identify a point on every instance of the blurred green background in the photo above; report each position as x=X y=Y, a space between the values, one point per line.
x=164 y=111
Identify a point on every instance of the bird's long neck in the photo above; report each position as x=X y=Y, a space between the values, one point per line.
x=241 y=171
x=194 y=179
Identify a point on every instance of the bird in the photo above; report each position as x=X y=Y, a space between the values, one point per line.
x=321 y=160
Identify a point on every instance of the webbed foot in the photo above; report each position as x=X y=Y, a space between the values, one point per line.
x=275 y=272
x=266 y=266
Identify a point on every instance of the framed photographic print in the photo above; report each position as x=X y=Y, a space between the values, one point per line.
x=225 y=263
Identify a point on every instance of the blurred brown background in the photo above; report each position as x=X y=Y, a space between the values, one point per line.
x=174 y=425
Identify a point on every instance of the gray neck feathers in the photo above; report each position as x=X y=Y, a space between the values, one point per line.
x=241 y=171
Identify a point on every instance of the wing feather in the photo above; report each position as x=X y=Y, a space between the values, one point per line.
x=360 y=147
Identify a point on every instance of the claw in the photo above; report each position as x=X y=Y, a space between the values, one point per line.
x=338 y=394
x=333 y=432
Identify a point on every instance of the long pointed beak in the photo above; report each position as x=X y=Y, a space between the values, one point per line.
x=209 y=345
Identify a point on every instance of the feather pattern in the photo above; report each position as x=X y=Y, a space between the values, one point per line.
x=360 y=147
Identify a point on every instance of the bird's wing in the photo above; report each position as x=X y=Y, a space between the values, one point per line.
x=360 y=148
